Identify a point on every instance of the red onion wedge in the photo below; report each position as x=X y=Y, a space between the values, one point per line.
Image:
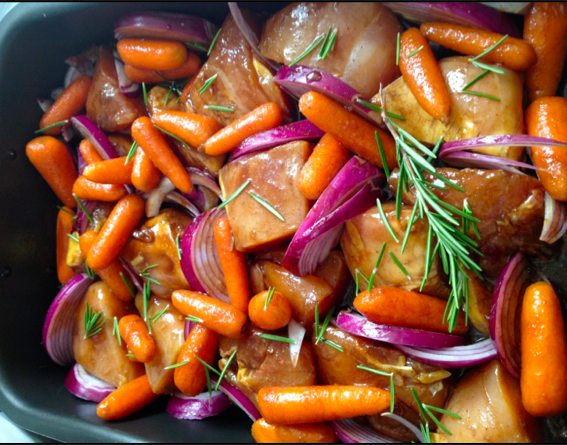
x=457 y=357
x=350 y=431
x=200 y=260
x=44 y=103
x=238 y=398
x=299 y=79
x=200 y=407
x=410 y=426
x=361 y=326
x=182 y=201
x=133 y=274
x=89 y=130
x=471 y=14
x=555 y=222
x=168 y=26
x=59 y=325
x=82 y=221
x=81 y=65
x=86 y=386
x=353 y=191
x=127 y=87
x=297 y=131
x=479 y=160
x=506 y=312
x=509 y=140
x=295 y=332
x=155 y=198
x=203 y=179
x=511 y=7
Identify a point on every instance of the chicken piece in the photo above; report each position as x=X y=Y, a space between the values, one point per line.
x=157 y=97
x=154 y=243
x=106 y=105
x=261 y=363
x=365 y=50
x=121 y=142
x=101 y=355
x=273 y=175
x=471 y=116
x=510 y=208
x=325 y=288
x=480 y=303
x=341 y=368
x=168 y=332
x=489 y=401
x=191 y=157
x=243 y=83
x=362 y=242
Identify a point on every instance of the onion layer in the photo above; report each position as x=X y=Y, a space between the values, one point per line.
x=86 y=386
x=200 y=407
x=238 y=398
x=350 y=431
x=89 y=130
x=555 y=222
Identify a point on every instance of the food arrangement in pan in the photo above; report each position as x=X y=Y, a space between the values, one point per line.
x=328 y=217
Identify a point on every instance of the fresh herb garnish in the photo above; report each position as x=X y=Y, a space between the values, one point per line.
x=267 y=206
x=411 y=222
x=333 y=345
x=357 y=274
x=378 y=109
x=68 y=212
x=325 y=41
x=160 y=314
x=93 y=322
x=146 y=274
x=147 y=294
x=384 y=374
x=116 y=331
x=328 y=43
x=492 y=48
x=130 y=356
x=145 y=93
x=171 y=135
x=208 y=84
x=131 y=152
x=178 y=245
x=476 y=79
x=413 y=53
x=278 y=338
x=218 y=108
x=425 y=411
x=169 y=390
x=168 y=95
x=382 y=154
x=377 y=265
x=83 y=208
x=207 y=366
x=177 y=365
x=425 y=432
x=309 y=49
x=91 y=273
x=321 y=331
x=400 y=265
x=194 y=319
x=225 y=369
x=51 y=127
x=487 y=96
x=128 y=285
x=487 y=67
x=234 y=195
x=385 y=221
x=73 y=237
x=398 y=49
x=196 y=46
x=213 y=43
x=271 y=291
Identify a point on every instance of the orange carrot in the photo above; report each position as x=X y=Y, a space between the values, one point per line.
x=190 y=378
x=263 y=432
x=65 y=220
x=93 y=191
x=116 y=231
x=398 y=307
x=352 y=131
x=272 y=316
x=544 y=352
x=72 y=100
x=327 y=159
x=154 y=144
x=190 y=66
x=115 y=276
x=90 y=155
x=263 y=118
x=149 y=54
x=54 y=162
x=316 y=404
x=112 y=171
x=217 y=315
x=546 y=117
x=233 y=266
x=545 y=28
x=423 y=76
x=513 y=53
x=135 y=333
x=127 y=399
x=194 y=129
x=145 y=175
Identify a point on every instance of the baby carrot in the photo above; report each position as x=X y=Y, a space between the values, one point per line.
x=152 y=54
x=316 y=404
x=127 y=399
x=189 y=67
x=111 y=171
x=513 y=53
x=398 y=307
x=90 y=155
x=352 y=131
x=263 y=118
x=544 y=352
x=263 y=432
x=190 y=378
x=546 y=117
x=93 y=191
x=272 y=315
x=423 y=76
x=115 y=276
x=233 y=266
x=545 y=28
x=191 y=128
x=135 y=333
x=54 y=162
x=155 y=146
x=328 y=157
x=145 y=175
x=72 y=100
x=116 y=231
x=217 y=315
x=65 y=220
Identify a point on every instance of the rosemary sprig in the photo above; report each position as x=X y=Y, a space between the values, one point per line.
x=357 y=274
x=398 y=40
x=83 y=208
x=271 y=291
x=160 y=314
x=171 y=135
x=392 y=386
x=425 y=432
x=400 y=265
x=377 y=265
x=63 y=209
x=426 y=413
x=197 y=46
x=476 y=79
x=128 y=285
x=378 y=109
x=234 y=195
x=321 y=331
x=147 y=294
x=226 y=366
x=413 y=53
x=168 y=96
x=309 y=49
x=278 y=338
x=386 y=222
x=208 y=84
x=145 y=93
x=146 y=274
x=116 y=332
x=178 y=245
x=193 y=319
x=333 y=345
x=93 y=322
x=177 y=365
x=219 y=108
x=130 y=356
x=131 y=152
x=91 y=273
x=73 y=237
x=51 y=127
x=487 y=96
x=412 y=221
x=214 y=42
x=169 y=390
x=267 y=206
x=382 y=154
x=492 y=48
x=325 y=41
x=486 y=66
x=328 y=43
